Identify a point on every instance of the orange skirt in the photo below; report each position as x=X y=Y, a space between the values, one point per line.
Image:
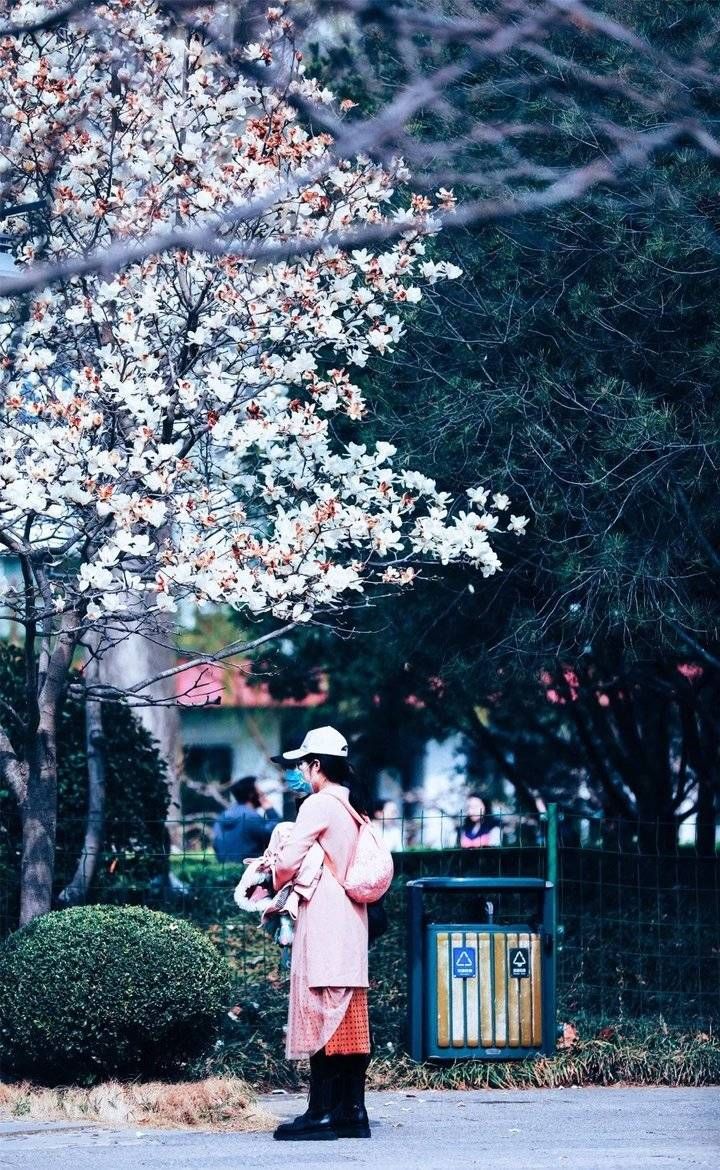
x=353 y=1033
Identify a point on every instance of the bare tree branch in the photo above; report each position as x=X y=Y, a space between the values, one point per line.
x=233 y=648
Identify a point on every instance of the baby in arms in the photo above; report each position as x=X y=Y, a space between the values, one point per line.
x=254 y=892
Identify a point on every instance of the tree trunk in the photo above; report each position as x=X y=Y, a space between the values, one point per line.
x=484 y=739
x=706 y=769
x=39 y=822
x=129 y=662
x=705 y=839
x=657 y=824
x=77 y=890
x=35 y=782
x=608 y=783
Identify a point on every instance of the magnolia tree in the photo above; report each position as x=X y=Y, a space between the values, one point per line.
x=184 y=429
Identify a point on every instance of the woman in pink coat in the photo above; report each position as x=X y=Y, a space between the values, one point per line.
x=328 y=1014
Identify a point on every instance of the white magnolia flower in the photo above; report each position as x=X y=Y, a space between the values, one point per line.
x=94 y=577
x=518 y=524
x=113 y=602
x=479 y=496
x=138 y=544
x=179 y=430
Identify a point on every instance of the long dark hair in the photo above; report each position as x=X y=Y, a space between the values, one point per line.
x=468 y=825
x=339 y=771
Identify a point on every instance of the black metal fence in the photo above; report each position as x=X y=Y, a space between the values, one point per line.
x=639 y=910
x=641 y=930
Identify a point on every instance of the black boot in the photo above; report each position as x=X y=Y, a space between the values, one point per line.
x=349 y=1117
x=315 y=1125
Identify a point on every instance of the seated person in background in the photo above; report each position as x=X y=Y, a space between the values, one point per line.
x=242 y=830
x=478 y=828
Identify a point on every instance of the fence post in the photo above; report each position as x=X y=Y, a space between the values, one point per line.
x=551 y=894
x=551 y=844
x=552 y=869
x=416 y=998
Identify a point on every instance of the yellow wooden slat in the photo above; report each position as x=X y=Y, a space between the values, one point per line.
x=513 y=996
x=458 y=1001
x=536 y=976
x=525 y=998
x=500 y=990
x=443 y=991
x=471 y=995
x=486 y=1023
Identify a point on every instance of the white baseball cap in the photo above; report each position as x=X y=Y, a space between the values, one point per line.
x=321 y=741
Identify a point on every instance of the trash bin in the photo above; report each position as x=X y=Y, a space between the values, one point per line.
x=480 y=989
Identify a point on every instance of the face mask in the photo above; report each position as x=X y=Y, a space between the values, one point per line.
x=297 y=783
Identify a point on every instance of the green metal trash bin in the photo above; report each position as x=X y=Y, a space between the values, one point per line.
x=479 y=989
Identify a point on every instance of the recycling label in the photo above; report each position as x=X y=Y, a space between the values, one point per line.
x=519 y=958
x=464 y=962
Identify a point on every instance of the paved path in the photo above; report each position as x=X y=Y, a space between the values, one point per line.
x=581 y=1129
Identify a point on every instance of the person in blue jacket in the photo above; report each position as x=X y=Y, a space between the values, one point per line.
x=244 y=829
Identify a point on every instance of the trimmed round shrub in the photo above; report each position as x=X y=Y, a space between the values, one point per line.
x=102 y=991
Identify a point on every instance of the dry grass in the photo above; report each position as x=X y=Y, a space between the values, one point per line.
x=217 y=1103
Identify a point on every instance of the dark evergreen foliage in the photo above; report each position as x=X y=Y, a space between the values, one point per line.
x=576 y=368
x=136 y=792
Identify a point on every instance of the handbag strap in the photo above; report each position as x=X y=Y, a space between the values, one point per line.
x=346 y=805
x=356 y=817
